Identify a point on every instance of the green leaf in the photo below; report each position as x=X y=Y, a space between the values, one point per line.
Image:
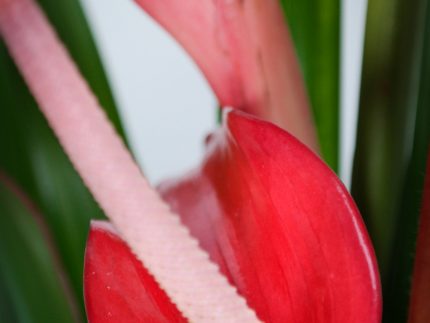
x=31 y=287
x=31 y=154
x=314 y=26
x=401 y=261
x=389 y=161
x=7 y=313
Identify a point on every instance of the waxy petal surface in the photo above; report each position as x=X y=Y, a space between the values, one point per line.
x=117 y=287
x=245 y=51
x=279 y=223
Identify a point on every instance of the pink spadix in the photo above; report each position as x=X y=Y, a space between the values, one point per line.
x=142 y=219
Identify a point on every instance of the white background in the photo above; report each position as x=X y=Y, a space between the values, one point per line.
x=166 y=104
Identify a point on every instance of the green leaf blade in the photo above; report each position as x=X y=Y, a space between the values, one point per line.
x=30 y=282
x=315 y=27
x=32 y=156
x=392 y=140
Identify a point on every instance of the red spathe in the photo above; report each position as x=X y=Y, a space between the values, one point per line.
x=274 y=217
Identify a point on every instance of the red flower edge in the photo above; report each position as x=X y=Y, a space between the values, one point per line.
x=275 y=218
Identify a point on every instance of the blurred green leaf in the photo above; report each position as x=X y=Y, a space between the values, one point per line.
x=29 y=283
x=7 y=313
x=387 y=181
x=315 y=27
x=30 y=153
x=401 y=262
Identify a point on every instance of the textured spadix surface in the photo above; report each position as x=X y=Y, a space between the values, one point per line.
x=279 y=223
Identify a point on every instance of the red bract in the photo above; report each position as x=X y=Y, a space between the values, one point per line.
x=278 y=222
x=117 y=287
x=245 y=51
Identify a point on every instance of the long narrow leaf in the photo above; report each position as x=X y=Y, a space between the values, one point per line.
x=33 y=288
x=388 y=105
x=7 y=311
x=31 y=154
x=314 y=26
x=401 y=261
x=388 y=177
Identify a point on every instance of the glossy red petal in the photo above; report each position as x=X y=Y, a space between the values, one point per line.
x=281 y=225
x=245 y=51
x=117 y=287
x=275 y=218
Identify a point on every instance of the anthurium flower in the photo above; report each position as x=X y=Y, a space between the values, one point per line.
x=279 y=224
x=276 y=220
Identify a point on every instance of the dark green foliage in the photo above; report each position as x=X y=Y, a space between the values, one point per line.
x=392 y=139
x=401 y=261
x=31 y=289
x=31 y=155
